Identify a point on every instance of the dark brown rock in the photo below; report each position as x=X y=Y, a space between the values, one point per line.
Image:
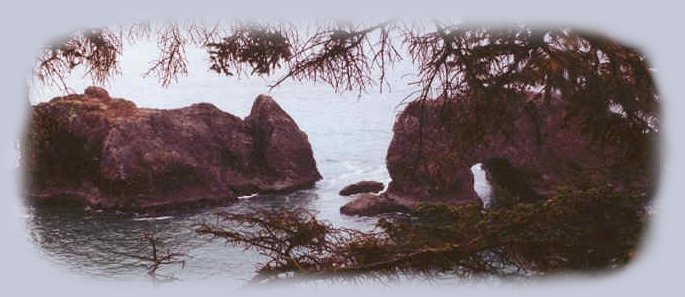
x=430 y=156
x=500 y=172
x=370 y=204
x=97 y=92
x=110 y=154
x=420 y=158
x=281 y=149
x=362 y=187
x=374 y=204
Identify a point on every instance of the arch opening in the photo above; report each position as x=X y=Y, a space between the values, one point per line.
x=481 y=185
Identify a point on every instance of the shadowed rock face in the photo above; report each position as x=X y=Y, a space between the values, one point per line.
x=429 y=162
x=281 y=150
x=107 y=153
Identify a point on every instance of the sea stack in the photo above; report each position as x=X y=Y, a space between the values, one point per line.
x=107 y=153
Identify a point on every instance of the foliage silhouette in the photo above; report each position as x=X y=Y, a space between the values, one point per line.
x=584 y=229
x=492 y=67
x=497 y=70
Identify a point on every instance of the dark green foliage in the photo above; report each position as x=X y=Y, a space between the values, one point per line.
x=596 y=75
x=578 y=230
x=605 y=84
x=294 y=240
x=581 y=229
x=599 y=84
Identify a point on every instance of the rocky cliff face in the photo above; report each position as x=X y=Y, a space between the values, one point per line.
x=107 y=153
x=541 y=148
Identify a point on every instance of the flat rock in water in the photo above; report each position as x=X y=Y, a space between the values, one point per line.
x=371 y=204
x=362 y=187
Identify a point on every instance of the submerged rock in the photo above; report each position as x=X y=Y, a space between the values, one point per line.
x=107 y=153
x=366 y=186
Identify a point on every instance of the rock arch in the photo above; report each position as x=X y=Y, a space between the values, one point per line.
x=532 y=151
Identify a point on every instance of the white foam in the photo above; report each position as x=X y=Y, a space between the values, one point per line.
x=148 y=219
x=247 y=196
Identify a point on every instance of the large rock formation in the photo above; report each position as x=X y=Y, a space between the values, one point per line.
x=540 y=148
x=107 y=153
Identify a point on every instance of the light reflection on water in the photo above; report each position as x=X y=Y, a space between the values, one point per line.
x=99 y=244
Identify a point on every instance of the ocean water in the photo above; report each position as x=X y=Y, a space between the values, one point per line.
x=349 y=133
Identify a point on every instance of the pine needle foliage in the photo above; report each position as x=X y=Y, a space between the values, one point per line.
x=582 y=229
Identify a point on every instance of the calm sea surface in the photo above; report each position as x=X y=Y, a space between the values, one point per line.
x=349 y=134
